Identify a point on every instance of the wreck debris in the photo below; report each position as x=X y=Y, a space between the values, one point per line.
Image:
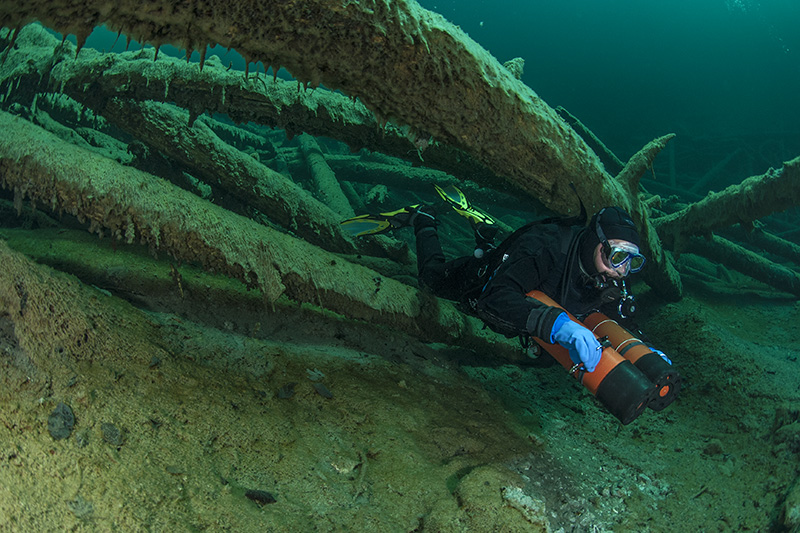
x=664 y=277
x=327 y=185
x=135 y=206
x=421 y=179
x=635 y=168
x=50 y=66
x=406 y=64
x=165 y=128
x=74 y=80
x=743 y=260
x=766 y=241
x=754 y=198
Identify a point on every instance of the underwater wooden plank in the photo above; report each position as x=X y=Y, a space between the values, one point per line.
x=743 y=203
x=93 y=77
x=138 y=207
x=279 y=198
x=404 y=63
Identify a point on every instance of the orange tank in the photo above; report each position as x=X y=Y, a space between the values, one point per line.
x=621 y=387
x=652 y=365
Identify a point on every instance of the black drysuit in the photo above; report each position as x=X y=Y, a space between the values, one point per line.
x=496 y=289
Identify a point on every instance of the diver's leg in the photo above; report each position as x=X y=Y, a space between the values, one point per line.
x=430 y=257
x=446 y=279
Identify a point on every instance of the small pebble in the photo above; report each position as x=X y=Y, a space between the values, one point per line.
x=713 y=447
x=261 y=497
x=314 y=375
x=82 y=437
x=61 y=421
x=287 y=391
x=323 y=391
x=81 y=508
x=111 y=434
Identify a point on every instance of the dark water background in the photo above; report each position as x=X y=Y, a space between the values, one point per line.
x=633 y=70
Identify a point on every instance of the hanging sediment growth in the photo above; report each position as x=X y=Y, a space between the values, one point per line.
x=406 y=64
x=134 y=206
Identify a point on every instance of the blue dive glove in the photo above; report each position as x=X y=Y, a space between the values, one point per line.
x=660 y=353
x=581 y=343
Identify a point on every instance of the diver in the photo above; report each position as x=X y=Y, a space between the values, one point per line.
x=582 y=267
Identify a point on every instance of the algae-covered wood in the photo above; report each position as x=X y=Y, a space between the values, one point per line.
x=404 y=63
x=126 y=202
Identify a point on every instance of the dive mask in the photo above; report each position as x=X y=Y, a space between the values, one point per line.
x=619 y=254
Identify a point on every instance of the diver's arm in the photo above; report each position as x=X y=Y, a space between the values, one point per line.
x=504 y=306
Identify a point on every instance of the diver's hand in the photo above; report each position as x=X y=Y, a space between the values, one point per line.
x=661 y=354
x=581 y=343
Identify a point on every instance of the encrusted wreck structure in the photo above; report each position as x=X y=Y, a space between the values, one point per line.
x=405 y=64
x=141 y=148
x=399 y=63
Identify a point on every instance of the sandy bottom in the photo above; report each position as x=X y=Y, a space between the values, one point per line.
x=302 y=421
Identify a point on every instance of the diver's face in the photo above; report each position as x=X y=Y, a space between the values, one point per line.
x=603 y=265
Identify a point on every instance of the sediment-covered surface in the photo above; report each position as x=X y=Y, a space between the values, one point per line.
x=211 y=403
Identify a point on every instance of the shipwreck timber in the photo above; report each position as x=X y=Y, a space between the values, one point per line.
x=137 y=207
x=97 y=82
x=406 y=64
